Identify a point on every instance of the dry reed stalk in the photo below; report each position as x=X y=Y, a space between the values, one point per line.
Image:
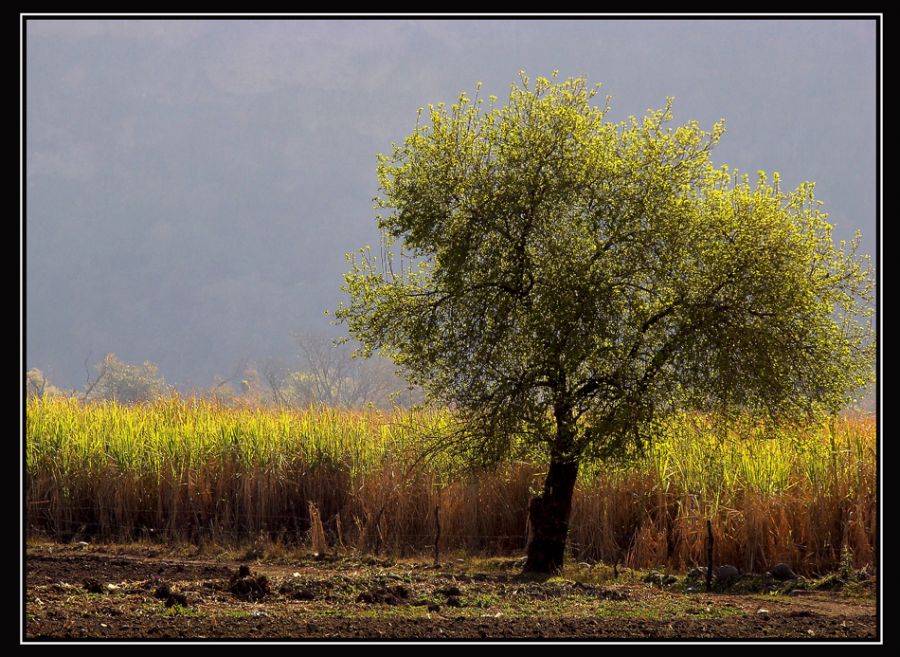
x=317 y=532
x=339 y=530
x=183 y=470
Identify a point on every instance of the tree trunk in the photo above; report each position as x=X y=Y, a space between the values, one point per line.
x=549 y=516
x=549 y=512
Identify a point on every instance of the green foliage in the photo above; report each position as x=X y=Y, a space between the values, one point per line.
x=846 y=569
x=328 y=375
x=482 y=601
x=180 y=610
x=35 y=383
x=122 y=382
x=568 y=280
x=38 y=386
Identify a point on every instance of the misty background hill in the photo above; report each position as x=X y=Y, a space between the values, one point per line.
x=192 y=186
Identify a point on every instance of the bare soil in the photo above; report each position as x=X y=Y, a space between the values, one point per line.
x=118 y=592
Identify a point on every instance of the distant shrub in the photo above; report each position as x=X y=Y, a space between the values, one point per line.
x=122 y=382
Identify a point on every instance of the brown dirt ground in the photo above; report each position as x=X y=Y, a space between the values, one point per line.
x=144 y=591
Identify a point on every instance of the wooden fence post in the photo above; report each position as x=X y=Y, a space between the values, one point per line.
x=437 y=536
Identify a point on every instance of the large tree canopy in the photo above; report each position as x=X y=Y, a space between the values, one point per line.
x=568 y=281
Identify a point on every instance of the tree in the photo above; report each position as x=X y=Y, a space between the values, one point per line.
x=119 y=381
x=330 y=375
x=276 y=374
x=38 y=386
x=35 y=383
x=566 y=282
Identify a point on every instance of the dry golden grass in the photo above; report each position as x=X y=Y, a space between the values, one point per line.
x=191 y=470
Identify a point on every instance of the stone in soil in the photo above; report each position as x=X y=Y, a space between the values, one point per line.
x=92 y=585
x=782 y=572
x=247 y=586
x=726 y=575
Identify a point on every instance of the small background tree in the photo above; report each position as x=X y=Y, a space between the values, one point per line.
x=329 y=374
x=565 y=282
x=38 y=385
x=119 y=381
x=324 y=372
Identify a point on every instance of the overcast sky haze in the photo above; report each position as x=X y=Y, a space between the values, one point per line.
x=192 y=186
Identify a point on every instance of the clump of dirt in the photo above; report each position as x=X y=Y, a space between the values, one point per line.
x=454 y=601
x=171 y=597
x=176 y=598
x=57 y=606
x=393 y=595
x=297 y=593
x=92 y=585
x=303 y=589
x=163 y=590
x=247 y=586
x=452 y=595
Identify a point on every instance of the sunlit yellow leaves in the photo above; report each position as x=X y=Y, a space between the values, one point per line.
x=608 y=267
